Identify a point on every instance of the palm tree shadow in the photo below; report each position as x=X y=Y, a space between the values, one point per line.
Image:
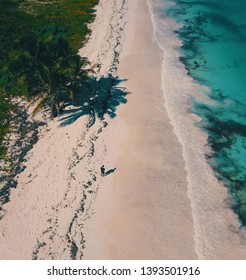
x=96 y=98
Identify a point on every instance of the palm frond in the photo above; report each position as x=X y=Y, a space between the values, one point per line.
x=40 y=105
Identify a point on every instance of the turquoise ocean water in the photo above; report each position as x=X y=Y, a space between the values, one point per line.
x=214 y=53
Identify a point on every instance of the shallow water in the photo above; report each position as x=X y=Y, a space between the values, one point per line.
x=214 y=53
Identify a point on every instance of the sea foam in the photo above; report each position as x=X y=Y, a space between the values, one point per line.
x=213 y=219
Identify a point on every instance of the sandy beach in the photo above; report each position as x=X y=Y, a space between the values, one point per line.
x=149 y=206
x=147 y=214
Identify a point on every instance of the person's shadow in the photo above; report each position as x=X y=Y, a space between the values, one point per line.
x=109 y=171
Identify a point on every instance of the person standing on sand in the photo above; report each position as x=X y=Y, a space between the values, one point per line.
x=103 y=170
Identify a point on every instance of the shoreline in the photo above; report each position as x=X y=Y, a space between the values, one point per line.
x=138 y=220
x=217 y=229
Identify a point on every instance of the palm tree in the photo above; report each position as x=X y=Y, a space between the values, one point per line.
x=77 y=70
x=52 y=74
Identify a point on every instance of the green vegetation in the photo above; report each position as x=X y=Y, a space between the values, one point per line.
x=38 y=53
x=45 y=70
x=4 y=118
x=18 y=17
x=74 y=15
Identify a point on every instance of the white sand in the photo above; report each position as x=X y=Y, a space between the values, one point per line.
x=62 y=208
x=143 y=210
x=55 y=193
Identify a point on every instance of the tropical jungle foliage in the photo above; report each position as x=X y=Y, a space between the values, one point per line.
x=38 y=53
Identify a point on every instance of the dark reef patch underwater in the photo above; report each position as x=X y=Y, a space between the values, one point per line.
x=214 y=53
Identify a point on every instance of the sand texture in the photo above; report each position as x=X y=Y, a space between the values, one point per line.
x=143 y=211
